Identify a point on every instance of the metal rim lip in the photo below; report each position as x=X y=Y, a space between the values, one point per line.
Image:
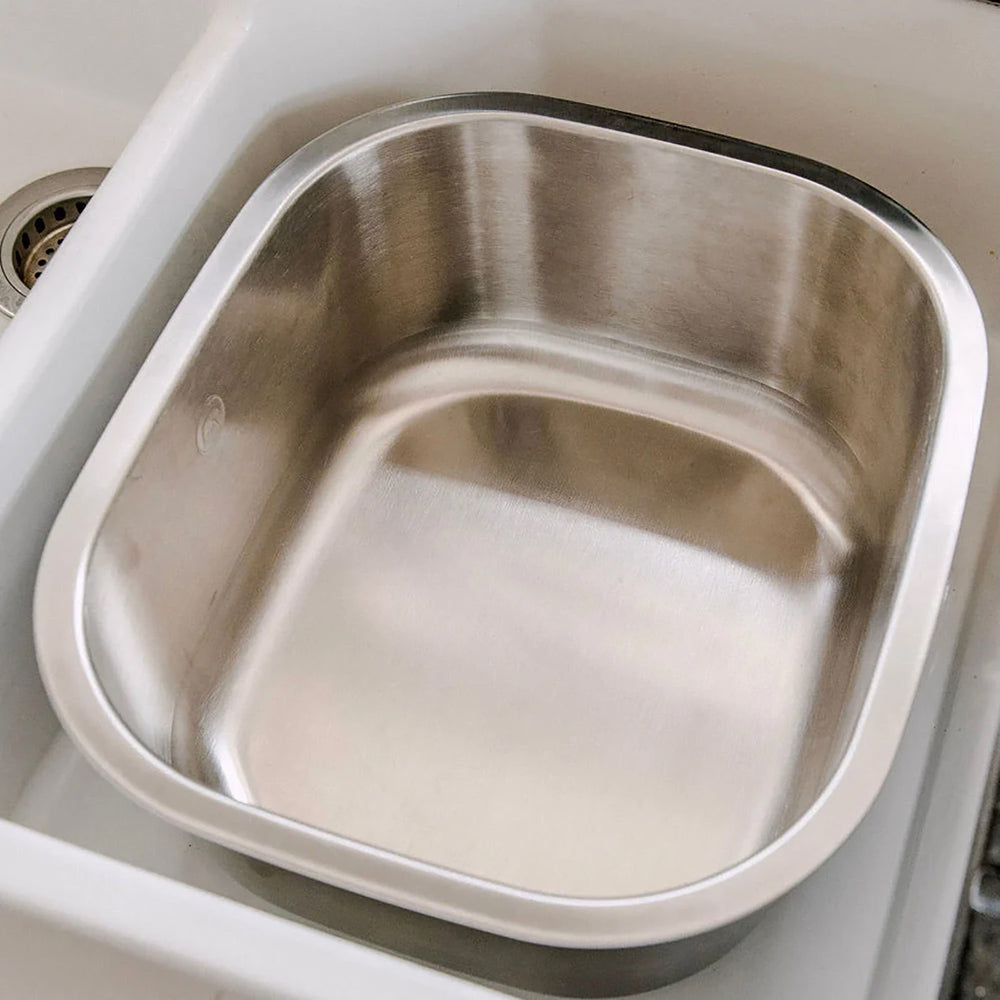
x=16 y=212
x=559 y=921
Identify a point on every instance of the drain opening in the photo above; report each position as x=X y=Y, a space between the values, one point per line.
x=34 y=222
x=39 y=239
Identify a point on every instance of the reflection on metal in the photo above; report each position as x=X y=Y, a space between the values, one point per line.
x=534 y=517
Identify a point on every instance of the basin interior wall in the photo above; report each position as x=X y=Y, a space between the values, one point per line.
x=315 y=551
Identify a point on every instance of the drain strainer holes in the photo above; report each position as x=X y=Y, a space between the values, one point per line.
x=33 y=224
x=37 y=241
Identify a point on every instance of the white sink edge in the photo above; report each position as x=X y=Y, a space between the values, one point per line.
x=140 y=173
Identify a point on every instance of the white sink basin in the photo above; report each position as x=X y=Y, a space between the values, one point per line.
x=77 y=82
x=248 y=83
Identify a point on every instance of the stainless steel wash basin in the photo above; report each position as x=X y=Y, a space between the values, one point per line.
x=534 y=517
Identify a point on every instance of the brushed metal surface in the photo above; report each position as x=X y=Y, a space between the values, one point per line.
x=534 y=516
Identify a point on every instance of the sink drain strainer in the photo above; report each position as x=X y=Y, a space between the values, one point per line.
x=33 y=224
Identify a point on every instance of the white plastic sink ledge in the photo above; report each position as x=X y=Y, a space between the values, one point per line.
x=901 y=93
